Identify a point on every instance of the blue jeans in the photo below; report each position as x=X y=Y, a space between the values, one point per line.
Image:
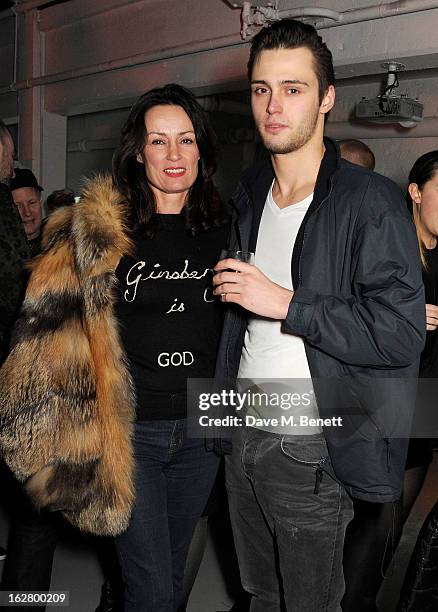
x=174 y=476
x=289 y=519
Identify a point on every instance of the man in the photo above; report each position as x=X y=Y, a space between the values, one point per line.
x=357 y=152
x=26 y=193
x=13 y=250
x=335 y=295
x=13 y=247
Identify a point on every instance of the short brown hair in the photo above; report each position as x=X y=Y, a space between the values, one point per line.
x=358 y=153
x=291 y=34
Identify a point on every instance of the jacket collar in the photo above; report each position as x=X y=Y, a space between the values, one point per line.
x=257 y=180
x=250 y=197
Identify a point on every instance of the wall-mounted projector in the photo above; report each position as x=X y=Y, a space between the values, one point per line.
x=390 y=107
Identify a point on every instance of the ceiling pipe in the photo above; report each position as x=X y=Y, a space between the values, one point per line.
x=209 y=44
x=380 y=11
x=95 y=9
x=264 y=15
x=401 y=7
x=29 y=5
x=310 y=12
x=341 y=130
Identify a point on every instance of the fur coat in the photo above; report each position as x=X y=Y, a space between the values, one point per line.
x=66 y=398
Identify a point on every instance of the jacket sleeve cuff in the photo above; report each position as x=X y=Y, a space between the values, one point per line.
x=300 y=313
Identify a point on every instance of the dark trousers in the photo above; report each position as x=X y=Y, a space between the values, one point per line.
x=288 y=523
x=33 y=537
x=370 y=543
x=31 y=544
x=174 y=476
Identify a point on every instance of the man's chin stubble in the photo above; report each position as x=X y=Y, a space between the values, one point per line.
x=282 y=149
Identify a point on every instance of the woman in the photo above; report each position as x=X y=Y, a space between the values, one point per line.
x=423 y=202
x=82 y=371
x=170 y=329
x=419 y=592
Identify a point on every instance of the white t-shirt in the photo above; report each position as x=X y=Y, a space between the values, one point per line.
x=268 y=353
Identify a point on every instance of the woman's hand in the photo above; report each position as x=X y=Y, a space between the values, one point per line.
x=431 y=317
x=244 y=284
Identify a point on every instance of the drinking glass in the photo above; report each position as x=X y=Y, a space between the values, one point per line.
x=245 y=256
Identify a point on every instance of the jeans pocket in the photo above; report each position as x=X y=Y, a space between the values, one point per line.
x=306 y=452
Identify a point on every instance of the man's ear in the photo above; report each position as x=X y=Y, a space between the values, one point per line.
x=415 y=193
x=328 y=100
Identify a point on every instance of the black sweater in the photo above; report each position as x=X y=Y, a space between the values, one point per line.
x=170 y=322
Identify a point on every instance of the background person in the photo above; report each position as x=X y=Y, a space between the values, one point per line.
x=13 y=253
x=357 y=152
x=26 y=193
x=14 y=250
x=419 y=590
x=59 y=198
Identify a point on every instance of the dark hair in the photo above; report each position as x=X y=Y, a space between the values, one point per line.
x=291 y=34
x=203 y=209
x=423 y=170
x=59 y=198
x=357 y=152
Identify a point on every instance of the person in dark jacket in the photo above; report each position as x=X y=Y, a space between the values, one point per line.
x=335 y=298
x=13 y=248
x=13 y=251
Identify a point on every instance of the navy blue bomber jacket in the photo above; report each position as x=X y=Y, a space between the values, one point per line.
x=359 y=307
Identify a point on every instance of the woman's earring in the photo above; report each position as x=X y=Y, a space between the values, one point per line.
x=139 y=158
